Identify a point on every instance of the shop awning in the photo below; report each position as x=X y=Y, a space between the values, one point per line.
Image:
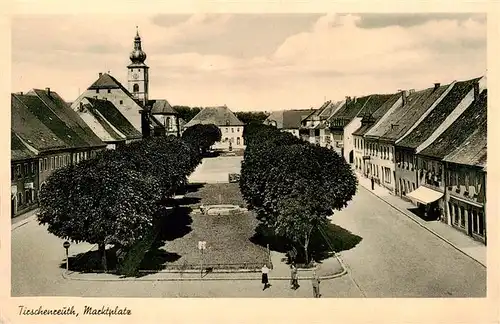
x=424 y=195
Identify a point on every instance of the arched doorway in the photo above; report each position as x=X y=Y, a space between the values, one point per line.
x=351 y=156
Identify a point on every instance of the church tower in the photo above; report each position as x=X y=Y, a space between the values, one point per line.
x=138 y=74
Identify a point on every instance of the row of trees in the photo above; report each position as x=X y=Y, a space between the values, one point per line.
x=114 y=197
x=292 y=185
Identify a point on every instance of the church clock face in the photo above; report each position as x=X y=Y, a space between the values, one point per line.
x=135 y=75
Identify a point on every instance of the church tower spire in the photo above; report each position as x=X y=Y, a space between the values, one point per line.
x=138 y=74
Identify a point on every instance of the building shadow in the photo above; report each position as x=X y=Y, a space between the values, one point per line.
x=420 y=213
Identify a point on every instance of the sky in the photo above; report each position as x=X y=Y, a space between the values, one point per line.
x=253 y=62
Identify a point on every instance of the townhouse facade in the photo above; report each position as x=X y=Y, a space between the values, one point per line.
x=380 y=140
x=427 y=174
x=369 y=120
x=452 y=171
x=50 y=135
x=348 y=119
x=314 y=128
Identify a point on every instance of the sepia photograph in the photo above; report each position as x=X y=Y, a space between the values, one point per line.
x=250 y=155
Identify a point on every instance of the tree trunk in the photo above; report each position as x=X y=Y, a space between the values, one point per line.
x=306 y=245
x=102 y=252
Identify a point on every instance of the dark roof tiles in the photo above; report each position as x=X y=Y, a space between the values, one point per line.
x=454 y=136
x=219 y=116
x=436 y=117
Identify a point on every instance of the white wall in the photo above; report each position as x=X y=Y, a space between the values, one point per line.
x=233 y=134
x=126 y=105
x=348 y=140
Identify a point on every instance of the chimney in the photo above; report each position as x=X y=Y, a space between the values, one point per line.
x=48 y=91
x=476 y=90
x=81 y=106
x=354 y=99
x=436 y=86
x=21 y=93
x=403 y=97
x=100 y=74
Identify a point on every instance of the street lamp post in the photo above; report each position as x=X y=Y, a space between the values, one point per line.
x=201 y=246
x=66 y=245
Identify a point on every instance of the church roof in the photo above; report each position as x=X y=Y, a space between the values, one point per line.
x=219 y=116
x=107 y=81
x=161 y=107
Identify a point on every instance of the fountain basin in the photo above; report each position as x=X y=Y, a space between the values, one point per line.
x=221 y=209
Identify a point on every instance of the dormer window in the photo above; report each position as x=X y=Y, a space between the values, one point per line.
x=227 y=122
x=96 y=90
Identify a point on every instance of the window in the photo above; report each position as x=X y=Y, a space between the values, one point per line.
x=121 y=102
x=480 y=216
x=167 y=122
x=238 y=129
x=32 y=167
x=109 y=90
x=462 y=216
x=25 y=169
x=455 y=214
x=227 y=130
x=136 y=87
x=46 y=164
x=227 y=122
x=232 y=130
x=60 y=161
x=52 y=163
x=237 y=141
x=40 y=166
x=19 y=199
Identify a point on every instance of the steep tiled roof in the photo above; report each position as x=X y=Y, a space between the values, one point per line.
x=350 y=109
x=54 y=104
x=30 y=129
x=473 y=150
x=442 y=110
x=220 y=116
x=114 y=117
x=469 y=121
x=161 y=107
x=288 y=119
x=376 y=115
x=403 y=118
x=19 y=151
x=319 y=112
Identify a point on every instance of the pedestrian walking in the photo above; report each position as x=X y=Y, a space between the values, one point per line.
x=373 y=183
x=315 y=284
x=265 y=279
x=294 y=280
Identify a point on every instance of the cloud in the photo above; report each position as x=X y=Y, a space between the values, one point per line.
x=250 y=61
x=380 y=20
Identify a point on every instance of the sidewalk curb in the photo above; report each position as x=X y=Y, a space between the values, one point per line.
x=68 y=277
x=329 y=277
x=423 y=226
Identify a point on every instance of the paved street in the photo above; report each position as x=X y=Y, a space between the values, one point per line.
x=396 y=258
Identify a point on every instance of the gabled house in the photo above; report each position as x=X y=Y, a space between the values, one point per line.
x=348 y=119
x=314 y=128
x=106 y=87
x=442 y=157
x=288 y=120
x=369 y=120
x=459 y=97
x=107 y=122
x=43 y=124
x=380 y=139
x=230 y=126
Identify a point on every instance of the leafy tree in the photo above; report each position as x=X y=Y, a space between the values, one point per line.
x=202 y=136
x=187 y=113
x=99 y=201
x=252 y=117
x=292 y=185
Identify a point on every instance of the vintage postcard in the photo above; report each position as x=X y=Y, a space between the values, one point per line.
x=315 y=165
